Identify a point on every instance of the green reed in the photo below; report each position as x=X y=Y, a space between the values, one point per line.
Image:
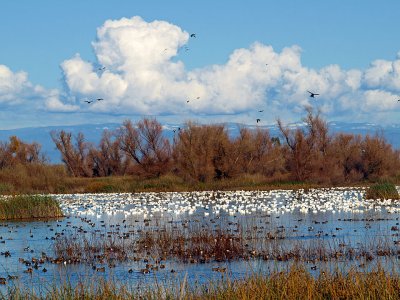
x=29 y=207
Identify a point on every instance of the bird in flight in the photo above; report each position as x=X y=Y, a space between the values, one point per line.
x=193 y=35
x=261 y=110
x=312 y=95
x=258 y=120
x=99 y=99
x=102 y=68
x=88 y=101
x=197 y=98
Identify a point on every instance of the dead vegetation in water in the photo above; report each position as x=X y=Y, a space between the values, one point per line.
x=196 y=243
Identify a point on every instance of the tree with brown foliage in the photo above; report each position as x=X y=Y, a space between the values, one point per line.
x=107 y=159
x=74 y=156
x=315 y=156
x=18 y=152
x=298 y=152
x=256 y=152
x=308 y=152
x=378 y=158
x=346 y=153
x=146 y=146
x=203 y=152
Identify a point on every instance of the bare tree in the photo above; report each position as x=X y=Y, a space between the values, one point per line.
x=107 y=159
x=146 y=145
x=73 y=155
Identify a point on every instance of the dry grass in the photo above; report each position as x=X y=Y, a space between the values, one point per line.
x=33 y=178
x=297 y=283
x=39 y=178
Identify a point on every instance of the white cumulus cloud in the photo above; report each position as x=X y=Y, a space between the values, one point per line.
x=14 y=87
x=143 y=75
x=138 y=71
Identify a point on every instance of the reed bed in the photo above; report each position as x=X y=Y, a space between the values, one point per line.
x=29 y=207
x=383 y=190
x=296 y=283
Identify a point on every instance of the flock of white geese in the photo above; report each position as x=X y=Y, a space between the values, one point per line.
x=312 y=201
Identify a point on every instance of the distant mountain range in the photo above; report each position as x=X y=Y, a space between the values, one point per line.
x=93 y=132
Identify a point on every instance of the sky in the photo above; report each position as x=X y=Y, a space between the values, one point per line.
x=246 y=57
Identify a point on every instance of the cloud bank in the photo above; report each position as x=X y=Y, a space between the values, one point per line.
x=139 y=72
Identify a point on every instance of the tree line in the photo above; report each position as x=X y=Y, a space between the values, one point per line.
x=202 y=153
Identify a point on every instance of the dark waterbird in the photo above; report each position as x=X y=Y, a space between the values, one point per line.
x=312 y=95
x=193 y=35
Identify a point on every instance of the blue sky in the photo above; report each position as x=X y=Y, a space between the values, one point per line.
x=345 y=50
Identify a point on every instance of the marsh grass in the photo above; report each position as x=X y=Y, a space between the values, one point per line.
x=29 y=207
x=296 y=283
x=382 y=190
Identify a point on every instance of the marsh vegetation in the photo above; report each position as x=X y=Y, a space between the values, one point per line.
x=29 y=207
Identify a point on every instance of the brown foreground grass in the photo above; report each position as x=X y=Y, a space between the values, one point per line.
x=297 y=283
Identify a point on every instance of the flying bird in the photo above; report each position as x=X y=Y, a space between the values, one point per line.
x=258 y=120
x=312 y=95
x=88 y=101
x=193 y=35
x=102 y=68
x=99 y=99
x=261 y=110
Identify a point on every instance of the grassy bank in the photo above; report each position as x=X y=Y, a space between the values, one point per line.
x=172 y=183
x=297 y=283
x=28 y=207
x=40 y=179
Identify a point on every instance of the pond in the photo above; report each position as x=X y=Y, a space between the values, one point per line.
x=141 y=239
